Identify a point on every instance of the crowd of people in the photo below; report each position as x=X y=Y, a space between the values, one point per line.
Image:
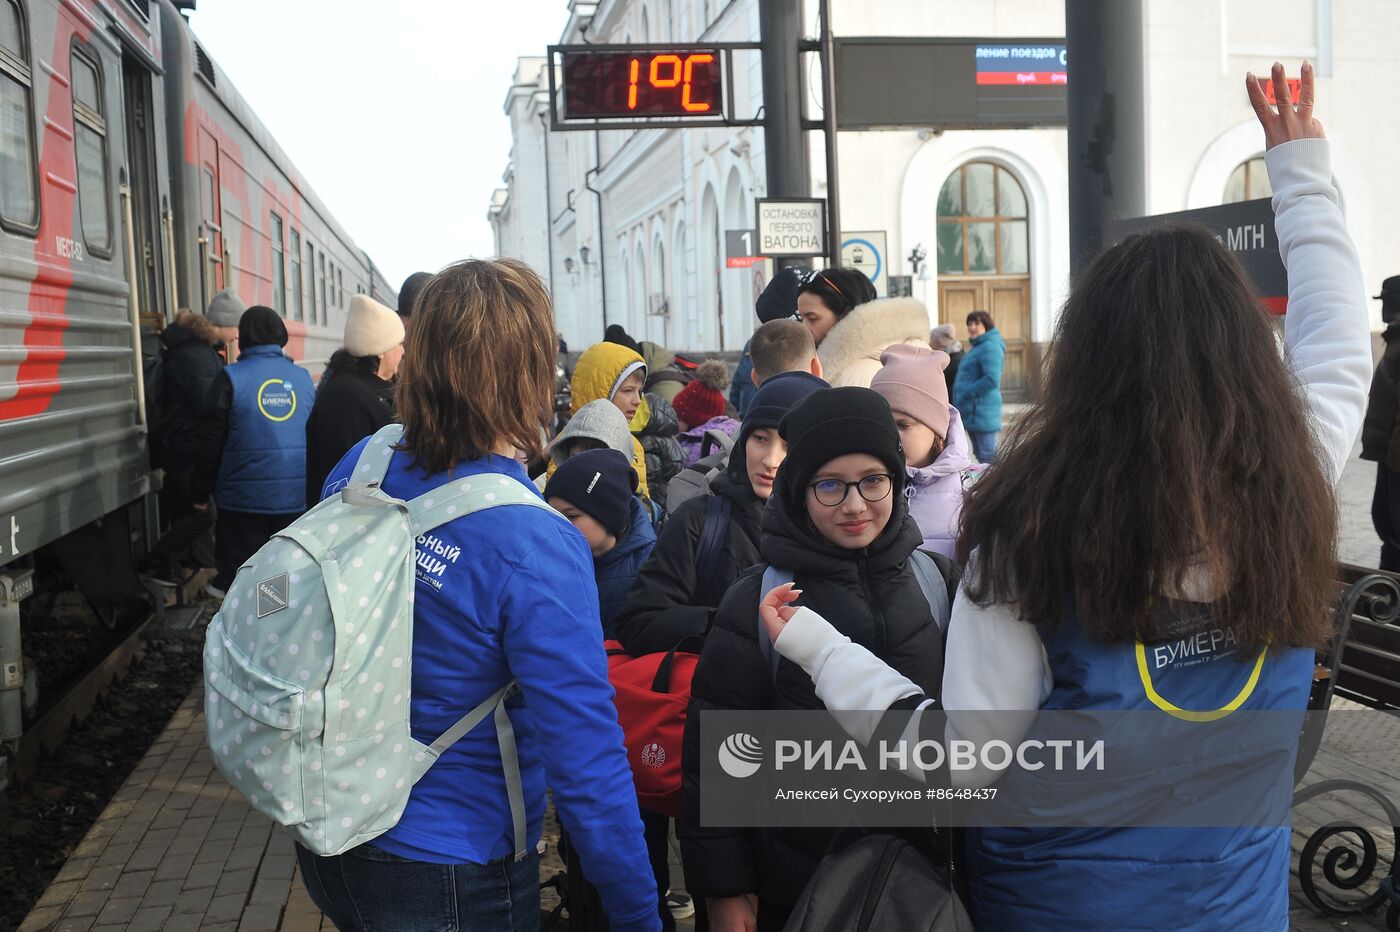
x=1191 y=474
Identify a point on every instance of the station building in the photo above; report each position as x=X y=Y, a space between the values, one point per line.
x=629 y=226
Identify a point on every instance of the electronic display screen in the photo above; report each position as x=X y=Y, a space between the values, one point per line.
x=891 y=83
x=640 y=84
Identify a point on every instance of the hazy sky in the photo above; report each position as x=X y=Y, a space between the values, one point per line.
x=390 y=111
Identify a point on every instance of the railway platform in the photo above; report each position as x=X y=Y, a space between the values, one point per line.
x=178 y=850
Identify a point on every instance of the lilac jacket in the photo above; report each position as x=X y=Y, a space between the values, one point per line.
x=694 y=439
x=935 y=492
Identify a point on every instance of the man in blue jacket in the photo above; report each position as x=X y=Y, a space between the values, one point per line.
x=254 y=441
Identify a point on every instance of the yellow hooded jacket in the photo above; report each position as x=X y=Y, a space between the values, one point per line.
x=599 y=372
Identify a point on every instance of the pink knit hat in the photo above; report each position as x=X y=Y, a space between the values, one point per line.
x=911 y=380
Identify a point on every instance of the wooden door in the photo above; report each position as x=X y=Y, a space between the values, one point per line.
x=1007 y=299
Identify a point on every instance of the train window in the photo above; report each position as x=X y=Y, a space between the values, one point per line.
x=294 y=248
x=19 y=201
x=90 y=141
x=206 y=193
x=311 y=281
x=279 y=275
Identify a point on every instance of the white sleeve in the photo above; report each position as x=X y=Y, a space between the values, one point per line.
x=995 y=678
x=846 y=675
x=1327 y=330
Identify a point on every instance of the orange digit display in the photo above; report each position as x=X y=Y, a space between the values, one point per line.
x=686 y=102
x=676 y=68
x=613 y=82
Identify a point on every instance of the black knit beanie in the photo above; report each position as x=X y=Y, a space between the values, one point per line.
x=779 y=298
x=598 y=483
x=260 y=326
x=408 y=292
x=616 y=334
x=831 y=423
x=778 y=395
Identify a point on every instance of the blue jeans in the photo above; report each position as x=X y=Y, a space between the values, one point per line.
x=368 y=889
x=984 y=444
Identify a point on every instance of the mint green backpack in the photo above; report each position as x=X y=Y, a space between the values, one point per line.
x=307 y=665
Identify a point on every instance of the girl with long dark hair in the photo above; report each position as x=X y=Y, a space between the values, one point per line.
x=1180 y=489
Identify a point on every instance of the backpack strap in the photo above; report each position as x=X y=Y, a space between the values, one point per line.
x=708 y=549
x=772 y=579
x=934 y=585
x=374 y=459
x=495 y=705
x=468 y=495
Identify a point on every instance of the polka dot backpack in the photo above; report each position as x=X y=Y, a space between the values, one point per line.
x=307 y=665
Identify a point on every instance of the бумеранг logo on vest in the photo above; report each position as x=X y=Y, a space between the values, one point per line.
x=740 y=755
x=277 y=400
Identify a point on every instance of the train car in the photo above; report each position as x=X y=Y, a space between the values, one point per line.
x=244 y=218
x=134 y=181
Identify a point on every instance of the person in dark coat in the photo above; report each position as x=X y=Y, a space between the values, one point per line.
x=668 y=602
x=356 y=395
x=596 y=491
x=1380 y=432
x=838 y=522
x=190 y=363
x=253 y=444
x=660 y=443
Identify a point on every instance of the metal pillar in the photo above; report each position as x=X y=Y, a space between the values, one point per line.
x=785 y=157
x=1107 y=124
x=833 y=181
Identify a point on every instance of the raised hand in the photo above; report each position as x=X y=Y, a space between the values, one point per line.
x=1290 y=121
x=775 y=610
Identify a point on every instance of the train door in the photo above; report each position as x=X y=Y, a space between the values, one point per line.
x=211 y=240
x=141 y=170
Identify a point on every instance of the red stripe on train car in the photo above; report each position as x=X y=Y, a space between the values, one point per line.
x=1277 y=306
x=37 y=376
x=296 y=339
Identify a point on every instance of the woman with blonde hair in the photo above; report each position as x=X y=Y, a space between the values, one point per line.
x=507 y=603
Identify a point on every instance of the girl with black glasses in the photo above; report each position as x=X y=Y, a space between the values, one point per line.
x=838 y=523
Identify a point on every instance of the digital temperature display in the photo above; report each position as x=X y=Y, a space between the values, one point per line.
x=639 y=84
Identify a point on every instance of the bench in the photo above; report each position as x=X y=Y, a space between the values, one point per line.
x=1362 y=665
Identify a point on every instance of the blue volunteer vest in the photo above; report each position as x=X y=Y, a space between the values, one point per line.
x=264 y=465
x=1152 y=877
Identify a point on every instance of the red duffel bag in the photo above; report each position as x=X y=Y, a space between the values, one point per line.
x=653 y=694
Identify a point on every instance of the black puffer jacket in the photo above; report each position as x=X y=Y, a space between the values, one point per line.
x=872 y=597
x=663 y=451
x=1380 y=432
x=351 y=404
x=665 y=604
x=190 y=366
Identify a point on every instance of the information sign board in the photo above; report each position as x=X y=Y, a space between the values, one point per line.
x=791 y=226
x=866 y=252
x=1245 y=228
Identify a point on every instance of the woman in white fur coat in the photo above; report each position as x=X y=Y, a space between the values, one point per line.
x=852 y=327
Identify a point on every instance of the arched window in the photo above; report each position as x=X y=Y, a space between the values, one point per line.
x=982 y=222
x=19 y=201
x=1249 y=180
